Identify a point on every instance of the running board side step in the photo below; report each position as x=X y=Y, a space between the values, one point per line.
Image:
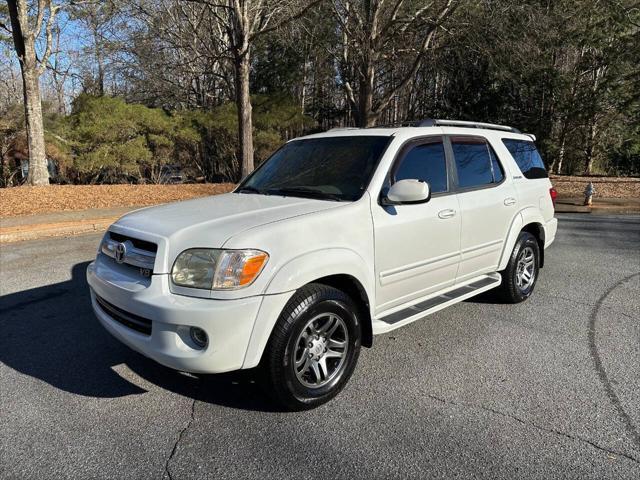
x=419 y=310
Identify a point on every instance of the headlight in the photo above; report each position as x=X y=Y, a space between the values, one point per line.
x=215 y=269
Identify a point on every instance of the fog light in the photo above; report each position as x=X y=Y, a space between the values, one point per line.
x=199 y=337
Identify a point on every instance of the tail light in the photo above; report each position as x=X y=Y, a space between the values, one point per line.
x=554 y=194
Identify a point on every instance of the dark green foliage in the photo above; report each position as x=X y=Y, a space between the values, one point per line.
x=106 y=139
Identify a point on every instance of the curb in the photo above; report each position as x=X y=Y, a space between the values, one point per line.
x=568 y=208
x=33 y=232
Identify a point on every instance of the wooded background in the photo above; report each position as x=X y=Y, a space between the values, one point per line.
x=114 y=91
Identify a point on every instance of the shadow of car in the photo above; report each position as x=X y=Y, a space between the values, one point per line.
x=50 y=333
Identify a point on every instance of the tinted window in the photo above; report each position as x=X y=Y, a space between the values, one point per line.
x=332 y=167
x=476 y=162
x=498 y=173
x=425 y=162
x=527 y=157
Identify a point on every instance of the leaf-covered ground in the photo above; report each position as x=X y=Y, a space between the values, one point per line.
x=605 y=187
x=55 y=198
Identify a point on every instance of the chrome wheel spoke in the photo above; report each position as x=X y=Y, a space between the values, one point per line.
x=321 y=350
x=333 y=329
x=307 y=365
x=316 y=371
x=303 y=358
x=323 y=367
x=525 y=268
x=329 y=326
x=333 y=354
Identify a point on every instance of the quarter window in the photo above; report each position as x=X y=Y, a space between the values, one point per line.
x=527 y=157
x=425 y=162
x=476 y=162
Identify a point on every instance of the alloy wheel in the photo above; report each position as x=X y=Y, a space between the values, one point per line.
x=321 y=350
x=525 y=269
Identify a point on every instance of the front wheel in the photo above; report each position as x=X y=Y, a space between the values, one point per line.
x=314 y=347
x=521 y=274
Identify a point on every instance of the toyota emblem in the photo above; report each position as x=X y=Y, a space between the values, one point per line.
x=120 y=252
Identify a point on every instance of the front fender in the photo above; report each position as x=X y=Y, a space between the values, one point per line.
x=321 y=263
x=294 y=274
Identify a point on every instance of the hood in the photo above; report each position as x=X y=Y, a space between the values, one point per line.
x=211 y=221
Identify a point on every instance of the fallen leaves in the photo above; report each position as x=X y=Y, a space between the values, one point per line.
x=605 y=187
x=27 y=200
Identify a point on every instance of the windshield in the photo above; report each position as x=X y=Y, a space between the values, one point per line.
x=331 y=168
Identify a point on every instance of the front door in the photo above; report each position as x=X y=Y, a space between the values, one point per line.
x=417 y=247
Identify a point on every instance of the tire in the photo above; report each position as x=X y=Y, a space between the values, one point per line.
x=515 y=287
x=293 y=348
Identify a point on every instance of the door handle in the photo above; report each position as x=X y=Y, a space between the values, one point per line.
x=447 y=213
x=509 y=201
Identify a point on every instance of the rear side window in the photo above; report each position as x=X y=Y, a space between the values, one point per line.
x=527 y=157
x=425 y=162
x=476 y=162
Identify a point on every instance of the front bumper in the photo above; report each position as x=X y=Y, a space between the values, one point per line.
x=228 y=323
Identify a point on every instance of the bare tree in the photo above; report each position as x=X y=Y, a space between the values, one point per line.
x=99 y=20
x=27 y=23
x=369 y=28
x=181 y=57
x=59 y=71
x=244 y=21
x=10 y=80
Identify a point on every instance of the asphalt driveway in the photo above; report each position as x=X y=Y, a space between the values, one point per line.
x=548 y=388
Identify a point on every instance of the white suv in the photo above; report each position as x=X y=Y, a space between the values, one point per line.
x=338 y=237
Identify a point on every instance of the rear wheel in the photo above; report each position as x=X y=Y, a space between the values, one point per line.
x=314 y=347
x=521 y=274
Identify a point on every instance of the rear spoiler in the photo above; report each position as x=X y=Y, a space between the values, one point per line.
x=531 y=136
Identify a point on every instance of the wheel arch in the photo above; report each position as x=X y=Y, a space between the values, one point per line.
x=337 y=267
x=352 y=287
x=537 y=230
x=527 y=220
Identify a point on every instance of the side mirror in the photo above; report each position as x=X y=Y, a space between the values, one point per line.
x=407 y=191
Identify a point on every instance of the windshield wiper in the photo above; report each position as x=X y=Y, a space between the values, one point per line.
x=250 y=189
x=305 y=192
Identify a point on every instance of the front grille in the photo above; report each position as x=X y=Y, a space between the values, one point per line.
x=130 y=251
x=136 y=242
x=134 y=322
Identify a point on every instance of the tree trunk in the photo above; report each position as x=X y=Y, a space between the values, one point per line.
x=25 y=48
x=243 y=104
x=38 y=172
x=558 y=169
x=100 y=62
x=366 y=116
x=590 y=150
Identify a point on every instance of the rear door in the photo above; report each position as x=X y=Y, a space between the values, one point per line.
x=488 y=203
x=417 y=246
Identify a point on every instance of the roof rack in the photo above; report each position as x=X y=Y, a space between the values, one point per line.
x=433 y=122
x=408 y=123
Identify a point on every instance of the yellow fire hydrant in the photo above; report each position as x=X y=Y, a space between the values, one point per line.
x=588 y=194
